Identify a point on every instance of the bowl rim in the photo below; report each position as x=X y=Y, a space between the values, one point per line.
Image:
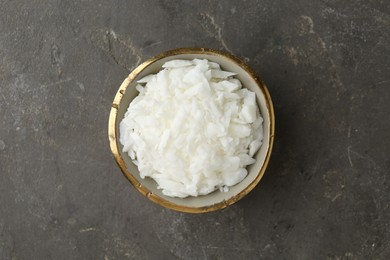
x=115 y=146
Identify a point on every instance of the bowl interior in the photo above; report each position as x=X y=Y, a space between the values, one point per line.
x=253 y=170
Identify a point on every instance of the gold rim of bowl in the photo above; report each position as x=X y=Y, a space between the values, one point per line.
x=113 y=134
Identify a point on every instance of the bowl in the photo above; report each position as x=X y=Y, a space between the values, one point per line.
x=148 y=187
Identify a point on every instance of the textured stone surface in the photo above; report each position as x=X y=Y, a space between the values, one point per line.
x=325 y=195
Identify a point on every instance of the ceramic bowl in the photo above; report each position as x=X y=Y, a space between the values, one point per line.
x=148 y=187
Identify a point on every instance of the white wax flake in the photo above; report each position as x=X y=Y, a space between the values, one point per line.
x=192 y=128
x=219 y=74
x=177 y=63
x=146 y=79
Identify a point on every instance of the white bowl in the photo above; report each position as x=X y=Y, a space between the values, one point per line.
x=148 y=187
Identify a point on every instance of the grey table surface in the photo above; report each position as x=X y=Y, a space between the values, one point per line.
x=325 y=194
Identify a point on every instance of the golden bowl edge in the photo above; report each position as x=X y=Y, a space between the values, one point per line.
x=112 y=131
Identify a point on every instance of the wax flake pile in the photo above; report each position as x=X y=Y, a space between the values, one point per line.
x=193 y=128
